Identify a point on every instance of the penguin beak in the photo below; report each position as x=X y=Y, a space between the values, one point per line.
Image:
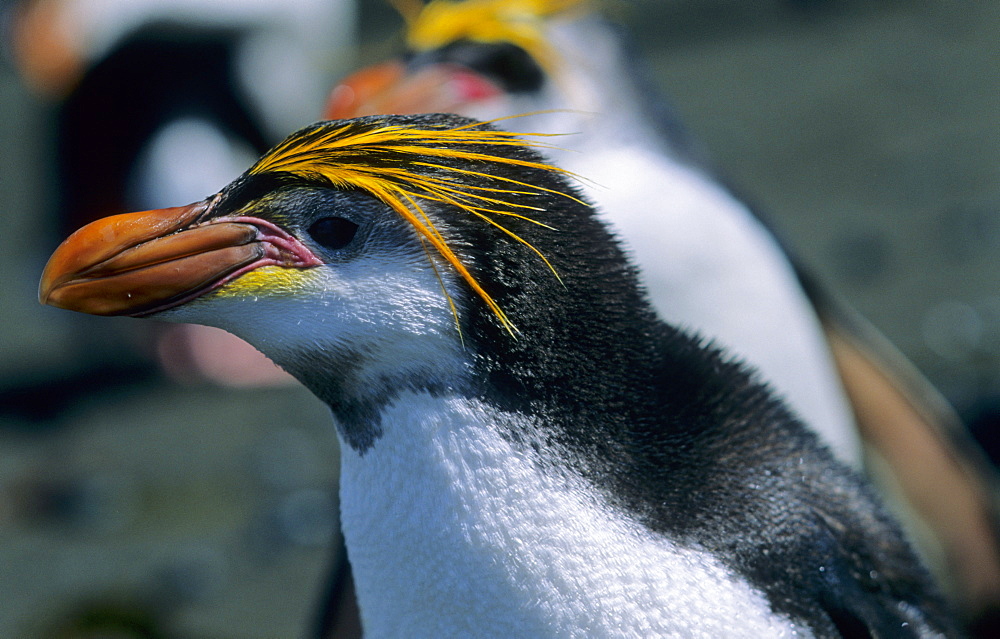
x=138 y=264
x=391 y=88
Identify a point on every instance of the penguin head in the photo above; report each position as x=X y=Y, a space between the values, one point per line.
x=355 y=253
x=494 y=58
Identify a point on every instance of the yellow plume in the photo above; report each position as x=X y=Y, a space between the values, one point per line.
x=519 y=22
x=399 y=165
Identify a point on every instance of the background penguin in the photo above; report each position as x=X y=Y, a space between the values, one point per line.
x=707 y=260
x=528 y=450
x=143 y=85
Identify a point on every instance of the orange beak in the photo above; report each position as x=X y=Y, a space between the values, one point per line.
x=388 y=88
x=142 y=263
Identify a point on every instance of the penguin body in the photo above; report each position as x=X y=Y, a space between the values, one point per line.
x=708 y=263
x=495 y=512
x=524 y=453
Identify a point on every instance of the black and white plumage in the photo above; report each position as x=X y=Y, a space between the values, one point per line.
x=706 y=260
x=540 y=456
x=145 y=85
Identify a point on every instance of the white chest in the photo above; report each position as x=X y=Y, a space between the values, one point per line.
x=454 y=532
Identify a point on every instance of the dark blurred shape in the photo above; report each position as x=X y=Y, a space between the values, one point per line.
x=107 y=620
x=159 y=73
x=40 y=402
x=983 y=419
x=337 y=615
x=163 y=89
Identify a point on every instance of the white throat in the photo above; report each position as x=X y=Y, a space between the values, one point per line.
x=453 y=531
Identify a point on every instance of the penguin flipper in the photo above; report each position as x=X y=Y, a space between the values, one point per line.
x=870 y=584
x=865 y=622
x=337 y=615
x=928 y=459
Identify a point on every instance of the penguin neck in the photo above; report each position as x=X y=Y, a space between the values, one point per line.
x=358 y=385
x=449 y=526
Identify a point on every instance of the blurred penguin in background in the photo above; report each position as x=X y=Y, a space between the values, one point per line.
x=145 y=86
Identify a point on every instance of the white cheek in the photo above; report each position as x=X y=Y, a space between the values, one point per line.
x=387 y=308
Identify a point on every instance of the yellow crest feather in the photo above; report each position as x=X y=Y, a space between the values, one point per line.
x=519 y=22
x=396 y=164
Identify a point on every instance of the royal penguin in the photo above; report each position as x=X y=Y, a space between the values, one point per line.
x=708 y=261
x=527 y=449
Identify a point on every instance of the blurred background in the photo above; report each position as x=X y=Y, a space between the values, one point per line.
x=139 y=493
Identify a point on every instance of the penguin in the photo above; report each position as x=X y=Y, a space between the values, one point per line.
x=708 y=260
x=527 y=448
x=166 y=76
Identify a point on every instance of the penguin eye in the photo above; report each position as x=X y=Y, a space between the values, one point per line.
x=333 y=232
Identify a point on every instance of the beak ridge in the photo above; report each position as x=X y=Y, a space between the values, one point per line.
x=107 y=237
x=137 y=263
